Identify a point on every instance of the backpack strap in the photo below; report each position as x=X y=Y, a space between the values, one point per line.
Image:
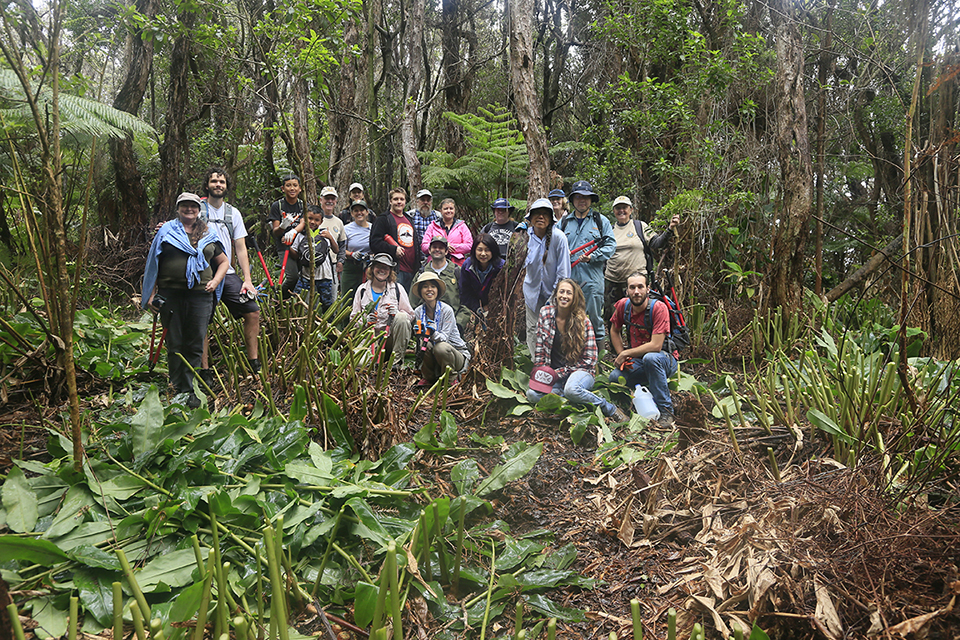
x=638 y=225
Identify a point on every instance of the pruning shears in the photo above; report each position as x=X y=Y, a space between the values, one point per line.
x=587 y=248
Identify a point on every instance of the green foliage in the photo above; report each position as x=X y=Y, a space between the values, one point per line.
x=493 y=164
x=80 y=118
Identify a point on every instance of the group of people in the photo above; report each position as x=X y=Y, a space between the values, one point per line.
x=421 y=276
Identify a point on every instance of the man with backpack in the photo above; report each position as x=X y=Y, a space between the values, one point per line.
x=592 y=243
x=651 y=357
x=240 y=296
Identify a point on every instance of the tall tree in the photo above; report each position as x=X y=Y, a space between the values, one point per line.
x=138 y=63
x=174 y=134
x=793 y=152
x=348 y=99
x=408 y=130
x=524 y=94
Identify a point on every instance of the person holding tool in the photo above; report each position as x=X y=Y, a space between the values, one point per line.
x=591 y=238
x=439 y=345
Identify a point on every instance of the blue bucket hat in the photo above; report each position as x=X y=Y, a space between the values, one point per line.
x=583 y=188
x=502 y=203
x=557 y=193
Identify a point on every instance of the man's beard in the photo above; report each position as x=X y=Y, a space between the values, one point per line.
x=425 y=210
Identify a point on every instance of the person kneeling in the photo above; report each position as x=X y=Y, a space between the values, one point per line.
x=439 y=344
x=647 y=358
x=386 y=305
x=565 y=357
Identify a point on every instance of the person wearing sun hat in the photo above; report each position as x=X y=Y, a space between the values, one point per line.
x=584 y=225
x=559 y=201
x=438 y=340
x=547 y=263
x=386 y=305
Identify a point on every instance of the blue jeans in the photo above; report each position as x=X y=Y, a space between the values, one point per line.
x=405 y=279
x=576 y=388
x=652 y=371
x=324 y=289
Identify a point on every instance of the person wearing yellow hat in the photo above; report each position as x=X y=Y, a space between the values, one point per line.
x=439 y=344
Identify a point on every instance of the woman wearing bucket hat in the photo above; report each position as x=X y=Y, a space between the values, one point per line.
x=503 y=225
x=548 y=262
x=386 y=305
x=438 y=340
x=182 y=282
x=565 y=358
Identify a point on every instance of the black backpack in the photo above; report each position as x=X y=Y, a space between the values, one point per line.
x=679 y=338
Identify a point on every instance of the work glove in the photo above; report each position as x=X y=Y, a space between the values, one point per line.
x=289 y=236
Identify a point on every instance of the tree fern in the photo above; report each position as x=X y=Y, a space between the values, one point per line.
x=80 y=118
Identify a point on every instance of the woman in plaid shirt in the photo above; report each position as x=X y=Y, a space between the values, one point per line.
x=566 y=343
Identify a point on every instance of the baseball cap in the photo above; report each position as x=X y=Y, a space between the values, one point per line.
x=440 y=238
x=359 y=203
x=542 y=203
x=557 y=193
x=424 y=192
x=328 y=191
x=542 y=379
x=623 y=200
x=186 y=196
x=355 y=185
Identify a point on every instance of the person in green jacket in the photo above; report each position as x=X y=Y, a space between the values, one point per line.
x=447 y=271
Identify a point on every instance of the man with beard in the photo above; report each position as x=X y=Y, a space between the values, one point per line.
x=649 y=360
x=240 y=296
x=421 y=216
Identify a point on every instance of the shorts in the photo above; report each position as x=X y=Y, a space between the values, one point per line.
x=236 y=305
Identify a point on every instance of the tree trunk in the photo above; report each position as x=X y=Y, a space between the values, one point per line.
x=796 y=174
x=301 y=140
x=131 y=193
x=174 y=134
x=457 y=76
x=525 y=96
x=824 y=70
x=887 y=254
x=346 y=126
x=408 y=130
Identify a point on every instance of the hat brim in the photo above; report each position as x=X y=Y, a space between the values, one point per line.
x=546 y=212
x=541 y=387
x=441 y=286
x=594 y=197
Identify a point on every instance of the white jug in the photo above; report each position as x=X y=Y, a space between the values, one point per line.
x=643 y=403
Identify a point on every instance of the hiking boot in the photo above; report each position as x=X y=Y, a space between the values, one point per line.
x=208 y=377
x=193 y=402
x=619 y=415
x=255 y=365
x=666 y=419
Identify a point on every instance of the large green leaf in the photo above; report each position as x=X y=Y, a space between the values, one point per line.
x=172 y=569
x=96 y=595
x=369 y=526
x=305 y=473
x=71 y=514
x=825 y=423
x=20 y=502
x=365 y=603
x=550 y=609
x=146 y=423
x=448 y=429
x=510 y=470
x=336 y=422
x=40 y=552
x=51 y=621
x=465 y=475
x=94 y=557
x=87 y=533
x=501 y=391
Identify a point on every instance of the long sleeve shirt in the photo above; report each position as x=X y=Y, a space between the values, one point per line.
x=547 y=333
x=542 y=277
x=579 y=231
x=445 y=329
x=459 y=238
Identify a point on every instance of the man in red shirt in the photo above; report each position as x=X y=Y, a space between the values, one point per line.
x=393 y=234
x=646 y=361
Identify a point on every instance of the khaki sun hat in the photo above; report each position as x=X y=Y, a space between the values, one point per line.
x=429 y=276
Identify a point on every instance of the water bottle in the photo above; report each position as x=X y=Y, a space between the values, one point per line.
x=643 y=403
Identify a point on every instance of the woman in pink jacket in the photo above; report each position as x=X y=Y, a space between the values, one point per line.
x=455 y=231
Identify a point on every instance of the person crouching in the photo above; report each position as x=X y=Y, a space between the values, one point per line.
x=439 y=344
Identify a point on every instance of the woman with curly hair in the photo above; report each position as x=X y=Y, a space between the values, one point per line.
x=565 y=357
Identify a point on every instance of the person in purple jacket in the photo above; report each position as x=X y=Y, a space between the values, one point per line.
x=476 y=276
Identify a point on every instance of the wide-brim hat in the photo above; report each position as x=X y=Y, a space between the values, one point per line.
x=583 y=188
x=186 y=196
x=385 y=259
x=542 y=379
x=541 y=203
x=557 y=193
x=429 y=276
x=502 y=203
